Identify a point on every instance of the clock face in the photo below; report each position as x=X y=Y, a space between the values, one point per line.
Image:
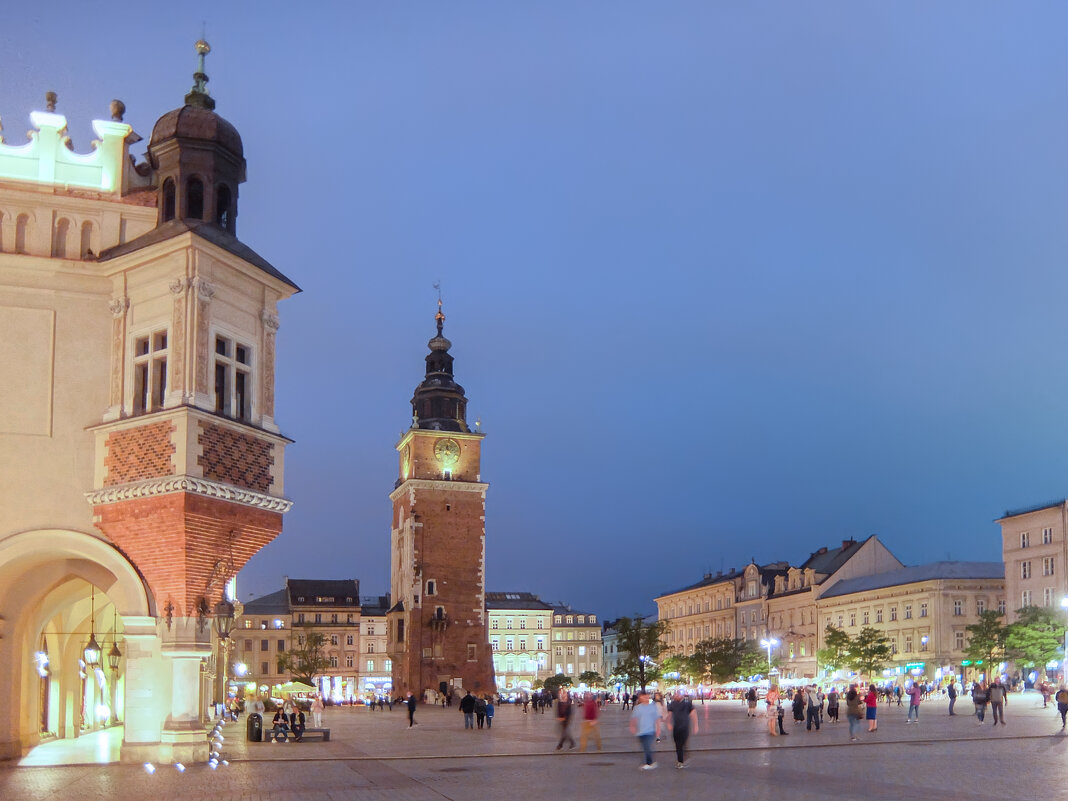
x=447 y=451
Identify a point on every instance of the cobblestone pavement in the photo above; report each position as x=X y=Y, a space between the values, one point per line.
x=374 y=757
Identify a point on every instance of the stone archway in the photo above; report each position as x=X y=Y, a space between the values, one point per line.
x=49 y=581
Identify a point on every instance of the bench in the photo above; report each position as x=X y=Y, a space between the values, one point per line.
x=310 y=733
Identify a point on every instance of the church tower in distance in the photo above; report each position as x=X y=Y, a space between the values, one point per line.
x=437 y=626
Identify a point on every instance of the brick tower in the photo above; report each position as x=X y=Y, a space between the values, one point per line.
x=437 y=626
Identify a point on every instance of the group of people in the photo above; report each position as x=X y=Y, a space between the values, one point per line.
x=477 y=708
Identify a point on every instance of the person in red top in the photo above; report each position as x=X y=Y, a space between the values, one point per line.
x=871 y=702
x=589 y=722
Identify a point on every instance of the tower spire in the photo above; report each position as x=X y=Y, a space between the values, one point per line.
x=198 y=95
x=440 y=316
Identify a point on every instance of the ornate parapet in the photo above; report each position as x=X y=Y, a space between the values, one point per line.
x=48 y=159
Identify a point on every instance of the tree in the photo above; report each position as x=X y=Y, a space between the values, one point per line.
x=641 y=646
x=680 y=664
x=869 y=651
x=553 y=684
x=591 y=678
x=305 y=659
x=836 y=650
x=986 y=639
x=724 y=659
x=1035 y=638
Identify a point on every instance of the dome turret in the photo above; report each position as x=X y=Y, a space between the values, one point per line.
x=439 y=403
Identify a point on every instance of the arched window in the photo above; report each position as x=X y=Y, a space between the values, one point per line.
x=223 y=213
x=194 y=199
x=86 y=249
x=21 y=224
x=59 y=241
x=168 y=200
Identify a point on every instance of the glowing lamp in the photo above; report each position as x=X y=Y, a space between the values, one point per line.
x=91 y=653
x=224 y=618
x=114 y=655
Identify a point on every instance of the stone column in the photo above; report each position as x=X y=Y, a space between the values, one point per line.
x=185 y=643
x=145 y=690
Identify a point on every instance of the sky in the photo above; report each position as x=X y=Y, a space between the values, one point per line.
x=724 y=281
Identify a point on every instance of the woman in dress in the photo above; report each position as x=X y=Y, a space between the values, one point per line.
x=871 y=704
x=799 y=706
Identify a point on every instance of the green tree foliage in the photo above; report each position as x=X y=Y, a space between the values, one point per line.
x=986 y=639
x=869 y=652
x=591 y=678
x=304 y=660
x=1035 y=638
x=641 y=646
x=723 y=659
x=554 y=683
x=836 y=650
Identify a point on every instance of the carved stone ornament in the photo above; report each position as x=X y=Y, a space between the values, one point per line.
x=205 y=289
x=197 y=486
x=118 y=306
x=177 y=286
x=270 y=320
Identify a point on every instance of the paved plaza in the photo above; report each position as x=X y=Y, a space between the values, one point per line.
x=374 y=756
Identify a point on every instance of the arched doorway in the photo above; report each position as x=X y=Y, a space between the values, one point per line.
x=58 y=588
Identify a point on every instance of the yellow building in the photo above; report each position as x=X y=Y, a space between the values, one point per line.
x=520 y=627
x=924 y=610
x=701 y=611
x=1034 y=549
x=576 y=642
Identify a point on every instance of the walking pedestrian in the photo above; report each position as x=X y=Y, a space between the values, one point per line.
x=467 y=707
x=490 y=711
x=915 y=694
x=751 y=703
x=773 y=707
x=1062 y=704
x=590 y=723
x=871 y=705
x=682 y=719
x=480 y=711
x=952 y=691
x=980 y=698
x=563 y=717
x=854 y=711
x=998 y=699
x=799 y=706
x=410 y=703
x=832 y=705
x=811 y=696
x=645 y=724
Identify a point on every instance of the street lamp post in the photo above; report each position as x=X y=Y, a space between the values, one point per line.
x=769 y=643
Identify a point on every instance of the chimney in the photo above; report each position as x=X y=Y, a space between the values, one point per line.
x=847 y=543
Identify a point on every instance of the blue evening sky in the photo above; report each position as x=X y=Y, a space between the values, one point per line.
x=724 y=280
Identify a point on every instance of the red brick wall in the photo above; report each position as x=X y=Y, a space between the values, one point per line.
x=138 y=453
x=235 y=458
x=175 y=541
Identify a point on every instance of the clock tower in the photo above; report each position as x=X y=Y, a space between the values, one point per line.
x=437 y=625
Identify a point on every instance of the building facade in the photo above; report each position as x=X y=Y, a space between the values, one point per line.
x=701 y=611
x=143 y=334
x=520 y=628
x=924 y=610
x=438 y=637
x=576 y=642
x=1034 y=548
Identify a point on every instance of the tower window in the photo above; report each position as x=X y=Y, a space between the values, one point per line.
x=150 y=372
x=168 y=199
x=233 y=378
x=194 y=198
x=431 y=587
x=223 y=215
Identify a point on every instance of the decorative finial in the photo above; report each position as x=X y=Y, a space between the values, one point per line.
x=198 y=95
x=118 y=110
x=440 y=316
x=50 y=101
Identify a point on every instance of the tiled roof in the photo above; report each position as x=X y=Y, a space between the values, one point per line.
x=374 y=604
x=344 y=592
x=516 y=600
x=563 y=609
x=827 y=561
x=274 y=603
x=910 y=575
x=708 y=581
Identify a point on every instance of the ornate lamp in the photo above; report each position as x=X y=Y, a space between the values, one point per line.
x=114 y=655
x=224 y=618
x=91 y=652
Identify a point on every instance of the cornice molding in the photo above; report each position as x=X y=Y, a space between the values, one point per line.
x=412 y=484
x=197 y=486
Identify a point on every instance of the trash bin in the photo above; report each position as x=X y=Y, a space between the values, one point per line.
x=254 y=728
